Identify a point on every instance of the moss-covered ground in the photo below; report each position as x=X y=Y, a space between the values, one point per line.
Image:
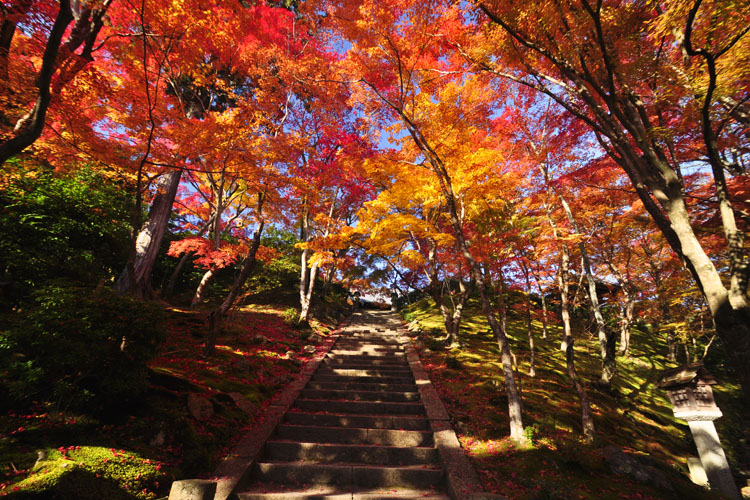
x=135 y=453
x=635 y=416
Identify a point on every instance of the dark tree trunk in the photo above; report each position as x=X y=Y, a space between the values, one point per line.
x=148 y=242
x=30 y=127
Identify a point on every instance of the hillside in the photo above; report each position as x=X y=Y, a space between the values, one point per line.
x=636 y=417
x=191 y=413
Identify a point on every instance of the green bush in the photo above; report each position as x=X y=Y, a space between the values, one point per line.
x=80 y=348
x=291 y=316
x=409 y=317
x=72 y=226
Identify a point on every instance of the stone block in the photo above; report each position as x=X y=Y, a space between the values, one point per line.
x=193 y=489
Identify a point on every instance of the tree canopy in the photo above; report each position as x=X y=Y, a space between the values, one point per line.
x=590 y=153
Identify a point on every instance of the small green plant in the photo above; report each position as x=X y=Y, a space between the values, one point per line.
x=291 y=316
x=530 y=432
x=409 y=317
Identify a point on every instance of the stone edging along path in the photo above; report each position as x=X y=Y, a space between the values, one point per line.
x=234 y=472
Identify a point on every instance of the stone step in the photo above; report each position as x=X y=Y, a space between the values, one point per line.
x=361 y=421
x=323 y=492
x=357 y=431
x=363 y=372
x=399 y=358
x=390 y=344
x=352 y=453
x=371 y=362
x=368 y=337
x=362 y=386
x=353 y=435
x=419 y=476
x=364 y=365
x=359 y=407
x=345 y=352
x=359 y=395
x=372 y=379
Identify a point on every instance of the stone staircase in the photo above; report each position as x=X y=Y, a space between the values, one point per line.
x=357 y=430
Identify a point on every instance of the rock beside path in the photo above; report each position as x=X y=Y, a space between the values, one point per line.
x=200 y=408
x=622 y=463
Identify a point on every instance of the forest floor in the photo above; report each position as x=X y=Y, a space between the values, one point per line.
x=193 y=413
x=635 y=417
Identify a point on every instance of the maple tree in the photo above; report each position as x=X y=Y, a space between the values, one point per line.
x=439 y=120
x=55 y=51
x=324 y=177
x=617 y=67
x=406 y=226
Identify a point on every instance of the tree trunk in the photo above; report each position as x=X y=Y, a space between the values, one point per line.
x=148 y=242
x=514 y=397
x=216 y=316
x=169 y=289
x=437 y=290
x=198 y=296
x=626 y=320
x=671 y=347
x=511 y=387
x=530 y=333
x=12 y=15
x=306 y=280
x=587 y=421
x=328 y=280
x=545 y=313
x=730 y=309
x=606 y=337
x=307 y=296
x=458 y=308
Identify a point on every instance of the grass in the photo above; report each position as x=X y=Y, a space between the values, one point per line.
x=635 y=416
x=138 y=454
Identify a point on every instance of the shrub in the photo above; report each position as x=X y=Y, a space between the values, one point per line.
x=71 y=226
x=409 y=317
x=80 y=348
x=291 y=316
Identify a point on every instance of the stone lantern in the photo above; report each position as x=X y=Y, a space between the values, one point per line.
x=689 y=390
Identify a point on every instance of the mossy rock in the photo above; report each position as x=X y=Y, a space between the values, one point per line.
x=91 y=473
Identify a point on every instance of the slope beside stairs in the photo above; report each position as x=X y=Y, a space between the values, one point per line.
x=361 y=422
